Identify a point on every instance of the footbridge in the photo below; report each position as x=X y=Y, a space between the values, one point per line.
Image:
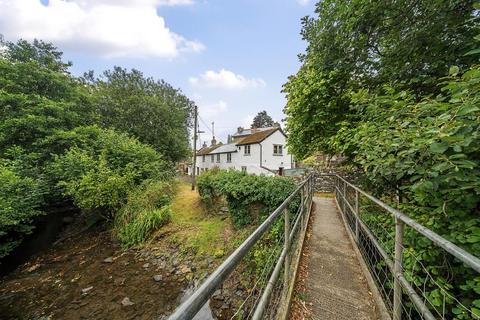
x=356 y=257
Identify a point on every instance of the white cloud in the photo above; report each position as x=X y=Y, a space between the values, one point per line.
x=108 y=28
x=225 y=79
x=211 y=110
x=304 y=2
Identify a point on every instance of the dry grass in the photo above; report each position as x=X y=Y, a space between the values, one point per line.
x=196 y=228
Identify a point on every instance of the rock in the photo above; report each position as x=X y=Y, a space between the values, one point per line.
x=146 y=265
x=86 y=290
x=185 y=269
x=157 y=277
x=33 y=268
x=127 y=302
x=108 y=260
x=119 y=281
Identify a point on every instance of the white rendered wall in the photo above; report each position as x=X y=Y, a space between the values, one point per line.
x=271 y=161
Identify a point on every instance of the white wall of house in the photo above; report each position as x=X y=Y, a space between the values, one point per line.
x=275 y=161
x=260 y=159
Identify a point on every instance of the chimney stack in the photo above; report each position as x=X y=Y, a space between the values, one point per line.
x=214 y=142
x=239 y=130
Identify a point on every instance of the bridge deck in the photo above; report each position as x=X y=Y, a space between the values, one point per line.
x=335 y=285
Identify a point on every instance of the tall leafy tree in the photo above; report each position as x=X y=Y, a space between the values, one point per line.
x=262 y=120
x=153 y=111
x=406 y=44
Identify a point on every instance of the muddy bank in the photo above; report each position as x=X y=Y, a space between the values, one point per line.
x=90 y=277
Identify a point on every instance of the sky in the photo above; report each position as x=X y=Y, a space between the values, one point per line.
x=229 y=56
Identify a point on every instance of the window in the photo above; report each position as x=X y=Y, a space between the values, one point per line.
x=229 y=157
x=203 y=158
x=247 y=150
x=218 y=157
x=213 y=157
x=277 y=149
x=244 y=169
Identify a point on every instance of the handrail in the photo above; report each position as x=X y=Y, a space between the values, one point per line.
x=443 y=243
x=395 y=265
x=195 y=302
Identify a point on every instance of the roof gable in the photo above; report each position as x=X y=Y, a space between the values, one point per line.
x=257 y=137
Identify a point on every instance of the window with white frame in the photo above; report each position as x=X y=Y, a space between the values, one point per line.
x=213 y=157
x=277 y=150
x=247 y=150
x=203 y=158
x=244 y=169
x=229 y=157
x=218 y=157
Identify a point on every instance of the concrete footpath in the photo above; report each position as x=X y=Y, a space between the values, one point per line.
x=335 y=285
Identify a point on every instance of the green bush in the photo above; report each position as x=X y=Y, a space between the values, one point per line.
x=103 y=166
x=146 y=210
x=244 y=193
x=20 y=201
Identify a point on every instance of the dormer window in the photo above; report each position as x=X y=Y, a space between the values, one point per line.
x=277 y=150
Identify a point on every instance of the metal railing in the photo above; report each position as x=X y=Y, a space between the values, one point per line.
x=288 y=259
x=384 y=253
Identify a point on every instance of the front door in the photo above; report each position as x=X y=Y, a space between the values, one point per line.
x=280 y=171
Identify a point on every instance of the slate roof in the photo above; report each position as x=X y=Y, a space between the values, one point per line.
x=246 y=132
x=231 y=147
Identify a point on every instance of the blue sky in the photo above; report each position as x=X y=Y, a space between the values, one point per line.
x=230 y=57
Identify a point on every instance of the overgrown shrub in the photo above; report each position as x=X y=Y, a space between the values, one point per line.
x=103 y=166
x=20 y=201
x=244 y=193
x=146 y=210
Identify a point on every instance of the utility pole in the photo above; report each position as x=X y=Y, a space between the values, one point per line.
x=195 y=128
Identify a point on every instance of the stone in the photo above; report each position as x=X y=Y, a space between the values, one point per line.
x=157 y=277
x=146 y=265
x=127 y=302
x=108 y=260
x=86 y=290
x=119 y=281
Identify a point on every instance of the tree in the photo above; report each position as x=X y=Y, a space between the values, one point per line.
x=153 y=111
x=262 y=120
x=365 y=44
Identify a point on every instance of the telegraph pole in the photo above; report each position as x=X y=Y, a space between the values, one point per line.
x=195 y=126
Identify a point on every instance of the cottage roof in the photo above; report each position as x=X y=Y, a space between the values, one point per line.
x=257 y=137
x=207 y=150
x=231 y=147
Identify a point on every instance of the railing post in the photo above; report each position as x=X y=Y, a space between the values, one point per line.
x=397 y=270
x=287 y=248
x=344 y=196
x=357 y=215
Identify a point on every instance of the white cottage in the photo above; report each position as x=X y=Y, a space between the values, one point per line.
x=255 y=151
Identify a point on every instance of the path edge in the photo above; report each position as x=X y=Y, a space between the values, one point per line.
x=381 y=308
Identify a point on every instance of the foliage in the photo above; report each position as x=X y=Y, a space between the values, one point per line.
x=21 y=199
x=93 y=141
x=262 y=120
x=364 y=44
x=153 y=111
x=250 y=198
x=147 y=209
x=103 y=166
x=372 y=87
